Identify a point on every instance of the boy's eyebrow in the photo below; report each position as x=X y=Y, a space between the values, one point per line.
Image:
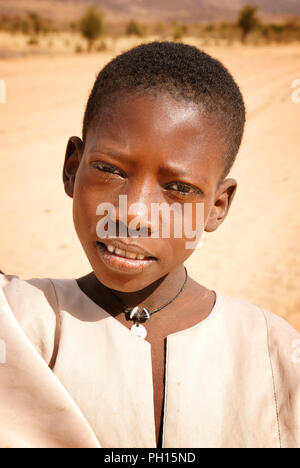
x=174 y=169
x=110 y=152
x=115 y=153
x=180 y=171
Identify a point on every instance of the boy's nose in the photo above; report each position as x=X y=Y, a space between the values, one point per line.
x=134 y=211
x=135 y=220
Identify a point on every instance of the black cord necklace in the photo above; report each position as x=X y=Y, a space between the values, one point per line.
x=138 y=316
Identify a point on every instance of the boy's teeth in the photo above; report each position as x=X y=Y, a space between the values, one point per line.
x=120 y=252
x=130 y=255
x=124 y=253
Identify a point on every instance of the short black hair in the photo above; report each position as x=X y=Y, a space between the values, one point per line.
x=184 y=72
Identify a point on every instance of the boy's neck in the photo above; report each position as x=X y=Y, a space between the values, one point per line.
x=154 y=295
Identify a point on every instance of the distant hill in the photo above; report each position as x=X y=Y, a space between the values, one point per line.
x=152 y=10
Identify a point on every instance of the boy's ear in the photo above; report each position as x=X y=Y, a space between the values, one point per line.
x=73 y=156
x=223 y=200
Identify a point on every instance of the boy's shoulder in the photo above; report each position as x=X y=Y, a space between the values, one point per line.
x=27 y=293
x=34 y=291
x=33 y=304
x=21 y=293
x=247 y=311
x=37 y=301
x=249 y=320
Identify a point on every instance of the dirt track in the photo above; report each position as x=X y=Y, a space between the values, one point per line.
x=254 y=255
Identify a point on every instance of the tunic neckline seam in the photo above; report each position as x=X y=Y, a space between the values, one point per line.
x=199 y=324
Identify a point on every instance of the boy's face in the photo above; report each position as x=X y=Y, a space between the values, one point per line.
x=152 y=149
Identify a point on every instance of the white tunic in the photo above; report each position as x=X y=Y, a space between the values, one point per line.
x=71 y=375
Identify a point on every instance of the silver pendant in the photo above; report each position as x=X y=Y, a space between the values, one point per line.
x=133 y=313
x=139 y=330
x=136 y=314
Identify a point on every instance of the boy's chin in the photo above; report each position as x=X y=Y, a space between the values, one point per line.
x=112 y=276
x=130 y=285
x=120 y=264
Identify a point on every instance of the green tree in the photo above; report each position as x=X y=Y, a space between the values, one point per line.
x=178 y=31
x=133 y=28
x=91 y=26
x=36 y=22
x=247 y=20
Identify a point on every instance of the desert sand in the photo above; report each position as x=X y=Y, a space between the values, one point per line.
x=255 y=253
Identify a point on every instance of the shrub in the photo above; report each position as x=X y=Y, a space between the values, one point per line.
x=33 y=41
x=78 y=49
x=178 y=31
x=102 y=46
x=133 y=28
x=247 y=20
x=36 y=22
x=91 y=26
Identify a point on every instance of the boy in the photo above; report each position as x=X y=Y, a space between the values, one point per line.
x=141 y=355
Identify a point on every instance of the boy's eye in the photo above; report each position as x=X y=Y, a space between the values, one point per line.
x=183 y=188
x=105 y=167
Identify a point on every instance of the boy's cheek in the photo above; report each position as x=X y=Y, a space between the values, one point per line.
x=172 y=250
x=84 y=217
x=187 y=249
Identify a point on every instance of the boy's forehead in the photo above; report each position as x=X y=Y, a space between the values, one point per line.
x=152 y=109
x=150 y=123
x=160 y=132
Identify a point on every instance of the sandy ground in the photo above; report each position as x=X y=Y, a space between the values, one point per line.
x=254 y=255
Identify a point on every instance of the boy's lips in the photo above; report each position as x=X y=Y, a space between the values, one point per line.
x=124 y=257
